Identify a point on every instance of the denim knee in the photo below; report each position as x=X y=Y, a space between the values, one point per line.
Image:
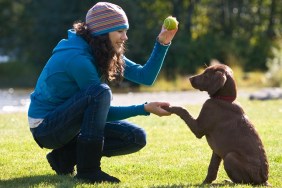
x=98 y=99
x=140 y=137
x=100 y=90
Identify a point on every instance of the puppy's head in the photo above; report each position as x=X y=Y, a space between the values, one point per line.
x=212 y=79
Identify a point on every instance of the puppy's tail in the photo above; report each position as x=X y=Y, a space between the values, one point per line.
x=264 y=165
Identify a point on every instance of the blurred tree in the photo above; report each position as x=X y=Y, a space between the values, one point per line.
x=243 y=29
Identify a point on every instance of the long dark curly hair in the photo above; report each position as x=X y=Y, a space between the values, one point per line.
x=108 y=61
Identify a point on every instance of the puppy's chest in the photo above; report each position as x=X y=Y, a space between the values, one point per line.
x=218 y=112
x=225 y=105
x=225 y=129
x=222 y=120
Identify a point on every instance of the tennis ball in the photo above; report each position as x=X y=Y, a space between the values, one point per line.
x=170 y=23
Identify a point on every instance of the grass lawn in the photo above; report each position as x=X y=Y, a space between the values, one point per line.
x=173 y=157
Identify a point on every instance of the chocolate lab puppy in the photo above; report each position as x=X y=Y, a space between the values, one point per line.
x=229 y=132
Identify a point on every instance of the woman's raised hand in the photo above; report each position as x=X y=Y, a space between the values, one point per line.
x=166 y=36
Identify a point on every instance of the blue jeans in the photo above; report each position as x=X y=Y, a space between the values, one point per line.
x=85 y=115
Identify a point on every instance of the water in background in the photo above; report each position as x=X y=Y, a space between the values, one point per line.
x=15 y=100
x=12 y=100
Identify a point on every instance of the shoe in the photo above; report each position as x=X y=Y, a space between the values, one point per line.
x=58 y=165
x=97 y=177
x=89 y=154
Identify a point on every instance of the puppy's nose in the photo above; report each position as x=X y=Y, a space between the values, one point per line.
x=193 y=82
x=191 y=78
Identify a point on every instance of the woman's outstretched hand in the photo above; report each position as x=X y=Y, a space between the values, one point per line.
x=156 y=108
x=166 y=36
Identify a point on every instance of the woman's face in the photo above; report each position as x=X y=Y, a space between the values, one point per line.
x=118 y=38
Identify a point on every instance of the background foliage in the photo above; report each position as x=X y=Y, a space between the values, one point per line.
x=241 y=33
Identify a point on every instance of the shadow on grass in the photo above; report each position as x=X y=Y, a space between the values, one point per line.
x=68 y=181
x=224 y=184
x=40 y=181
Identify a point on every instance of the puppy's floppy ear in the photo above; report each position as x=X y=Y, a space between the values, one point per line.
x=217 y=82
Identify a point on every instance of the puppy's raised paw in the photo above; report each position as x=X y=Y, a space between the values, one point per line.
x=167 y=108
x=175 y=110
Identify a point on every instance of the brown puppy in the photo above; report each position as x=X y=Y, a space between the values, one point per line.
x=228 y=131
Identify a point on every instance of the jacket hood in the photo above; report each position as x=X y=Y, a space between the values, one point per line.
x=73 y=42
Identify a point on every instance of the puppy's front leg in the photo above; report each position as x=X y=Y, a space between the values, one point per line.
x=213 y=168
x=188 y=119
x=181 y=112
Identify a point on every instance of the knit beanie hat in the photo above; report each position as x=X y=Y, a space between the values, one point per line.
x=106 y=17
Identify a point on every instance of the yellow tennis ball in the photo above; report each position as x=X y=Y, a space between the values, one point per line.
x=170 y=23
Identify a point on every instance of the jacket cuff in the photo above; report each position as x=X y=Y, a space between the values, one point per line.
x=142 y=111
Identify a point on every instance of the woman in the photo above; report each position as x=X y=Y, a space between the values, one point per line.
x=70 y=110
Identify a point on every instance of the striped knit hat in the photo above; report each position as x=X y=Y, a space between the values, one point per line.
x=106 y=17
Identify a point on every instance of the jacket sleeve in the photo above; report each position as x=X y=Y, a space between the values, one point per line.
x=147 y=73
x=83 y=71
x=124 y=112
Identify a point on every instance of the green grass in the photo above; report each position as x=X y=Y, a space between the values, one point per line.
x=173 y=157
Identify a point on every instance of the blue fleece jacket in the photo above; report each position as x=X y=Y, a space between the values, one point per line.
x=71 y=69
